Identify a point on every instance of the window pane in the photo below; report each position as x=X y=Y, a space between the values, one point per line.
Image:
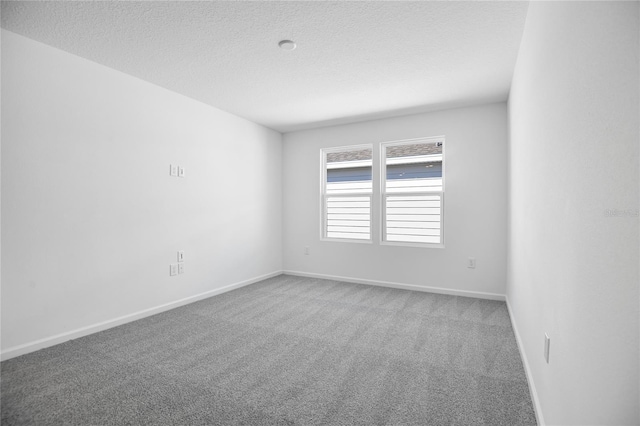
x=414 y=167
x=349 y=171
x=348 y=189
x=412 y=192
x=348 y=217
x=413 y=218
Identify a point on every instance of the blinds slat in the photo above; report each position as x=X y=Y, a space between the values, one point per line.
x=348 y=236
x=413 y=218
x=413 y=239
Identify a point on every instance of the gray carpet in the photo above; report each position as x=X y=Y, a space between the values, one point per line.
x=285 y=351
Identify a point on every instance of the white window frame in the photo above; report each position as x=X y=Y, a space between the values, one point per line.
x=324 y=195
x=383 y=192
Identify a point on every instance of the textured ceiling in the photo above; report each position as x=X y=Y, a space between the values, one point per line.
x=354 y=61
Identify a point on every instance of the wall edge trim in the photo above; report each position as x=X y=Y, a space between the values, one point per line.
x=464 y=293
x=105 y=325
x=537 y=408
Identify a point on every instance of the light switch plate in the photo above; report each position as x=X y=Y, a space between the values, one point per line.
x=181 y=256
x=173 y=170
x=181 y=171
x=180 y=268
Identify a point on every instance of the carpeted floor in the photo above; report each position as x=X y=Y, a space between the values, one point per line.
x=285 y=351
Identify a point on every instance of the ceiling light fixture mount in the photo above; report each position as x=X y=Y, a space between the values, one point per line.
x=287 y=45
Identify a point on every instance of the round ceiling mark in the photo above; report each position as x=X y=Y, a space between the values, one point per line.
x=287 y=45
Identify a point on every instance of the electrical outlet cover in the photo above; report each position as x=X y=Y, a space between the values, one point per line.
x=173 y=269
x=180 y=268
x=547 y=347
x=173 y=170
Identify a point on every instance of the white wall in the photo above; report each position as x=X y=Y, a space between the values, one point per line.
x=573 y=271
x=91 y=218
x=475 y=203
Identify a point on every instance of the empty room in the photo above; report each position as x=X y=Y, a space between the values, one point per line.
x=320 y=213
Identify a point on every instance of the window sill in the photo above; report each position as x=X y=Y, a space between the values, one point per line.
x=414 y=245
x=346 y=240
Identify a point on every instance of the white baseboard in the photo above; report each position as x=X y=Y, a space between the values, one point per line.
x=532 y=387
x=85 y=331
x=465 y=293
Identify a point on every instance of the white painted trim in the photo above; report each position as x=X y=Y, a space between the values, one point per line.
x=537 y=408
x=346 y=240
x=413 y=159
x=85 y=331
x=465 y=293
x=349 y=164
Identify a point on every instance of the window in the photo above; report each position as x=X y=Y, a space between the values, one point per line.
x=412 y=190
x=346 y=193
